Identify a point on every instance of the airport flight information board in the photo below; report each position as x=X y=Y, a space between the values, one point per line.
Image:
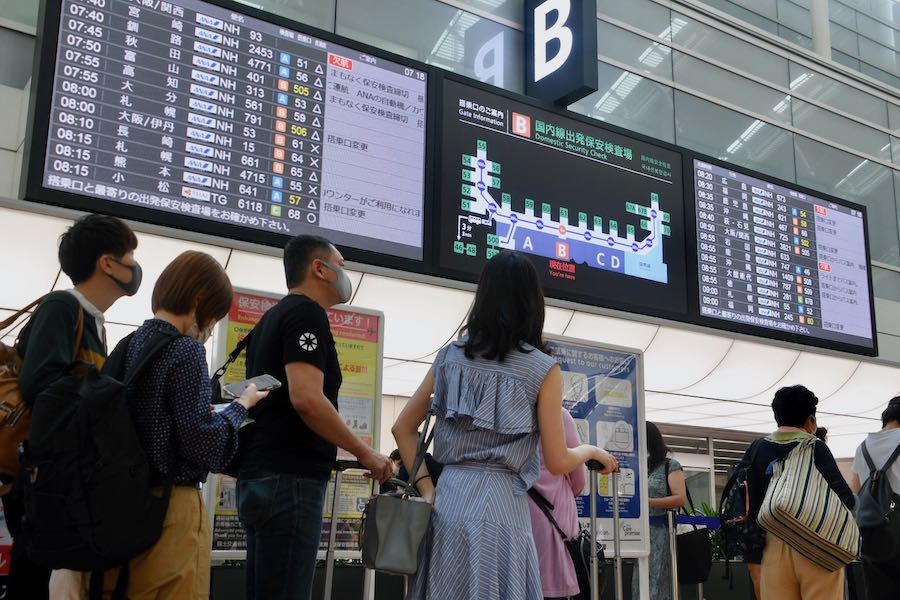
x=776 y=258
x=188 y=108
x=601 y=214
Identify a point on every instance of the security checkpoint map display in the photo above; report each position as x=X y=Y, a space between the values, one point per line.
x=600 y=214
x=776 y=258
x=188 y=108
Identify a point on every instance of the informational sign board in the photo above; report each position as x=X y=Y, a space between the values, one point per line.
x=600 y=214
x=775 y=258
x=359 y=339
x=603 y=390
x=198 y=114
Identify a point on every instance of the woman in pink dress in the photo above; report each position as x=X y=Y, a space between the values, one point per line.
x=558 y=578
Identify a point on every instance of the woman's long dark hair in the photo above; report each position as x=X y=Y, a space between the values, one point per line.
x=657 y=451
x=508 y=310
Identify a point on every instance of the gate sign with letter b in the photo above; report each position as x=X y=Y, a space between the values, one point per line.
x=560 y=49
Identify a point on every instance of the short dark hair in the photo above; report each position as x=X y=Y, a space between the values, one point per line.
x=299 y=253
x=892 y=412
x=395 y=455
x=508 y=310
x=89 y=238
x=793 y=406
x=657 y=450
x=193 y=281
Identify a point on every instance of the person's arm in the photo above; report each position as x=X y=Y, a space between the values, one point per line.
x=677 y=497
x=406 y=434
x=578 y=477
x=558 y=458
x=205 y=438
x=829 y=470
x=305 y=352
x=48 y=351
x=305 y=385
x=855 y=484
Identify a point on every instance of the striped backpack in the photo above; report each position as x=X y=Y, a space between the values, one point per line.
x=801 y=509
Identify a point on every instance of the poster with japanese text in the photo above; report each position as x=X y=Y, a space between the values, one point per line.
x=603 y=390
x=358 y=337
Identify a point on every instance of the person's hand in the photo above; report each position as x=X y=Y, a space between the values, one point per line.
x=430 y=496
x=609 y=462
x=380 y=466
x=251 y=396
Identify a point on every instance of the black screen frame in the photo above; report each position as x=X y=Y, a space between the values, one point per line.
x=690 y=211
x=32 y=190
x=547 y=106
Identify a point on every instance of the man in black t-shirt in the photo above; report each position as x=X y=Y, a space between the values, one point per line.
x=290 y=447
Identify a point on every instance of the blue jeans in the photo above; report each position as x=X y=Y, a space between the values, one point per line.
x=283 y=518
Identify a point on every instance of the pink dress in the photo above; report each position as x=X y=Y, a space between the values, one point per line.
x=557 y=573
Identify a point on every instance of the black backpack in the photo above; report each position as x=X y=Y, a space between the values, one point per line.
x=87 y=482
x=740 y=533
x=878 y=513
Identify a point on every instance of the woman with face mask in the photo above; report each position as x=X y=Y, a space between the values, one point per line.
x=183 y=439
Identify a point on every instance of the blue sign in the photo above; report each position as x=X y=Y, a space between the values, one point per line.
x=560 y=49
x=602 y=392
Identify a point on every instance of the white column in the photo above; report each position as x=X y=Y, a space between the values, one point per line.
x=821 y=29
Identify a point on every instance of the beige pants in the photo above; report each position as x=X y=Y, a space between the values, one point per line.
x=788 y=575
x=175 y=568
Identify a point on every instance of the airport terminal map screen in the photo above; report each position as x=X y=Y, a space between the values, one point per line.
x=776 y=258
x=188 y=108
x=601 y=214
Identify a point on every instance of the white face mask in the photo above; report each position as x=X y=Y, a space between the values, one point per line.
x=342 y=284
x=201 y=335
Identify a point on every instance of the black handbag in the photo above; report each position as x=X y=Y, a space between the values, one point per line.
x=693 y=549
x=579 y=549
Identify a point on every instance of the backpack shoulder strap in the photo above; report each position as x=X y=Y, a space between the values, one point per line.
x=869 y=461
x=152 y=348
x=13 y=318
x=891 y=459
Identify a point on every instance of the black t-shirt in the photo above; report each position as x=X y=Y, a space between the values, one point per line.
x=278 y=441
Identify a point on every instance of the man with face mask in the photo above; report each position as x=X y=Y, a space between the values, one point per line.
x=97 y=253
x=290 y=447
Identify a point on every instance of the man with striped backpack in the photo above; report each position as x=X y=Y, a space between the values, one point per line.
x=810 y=533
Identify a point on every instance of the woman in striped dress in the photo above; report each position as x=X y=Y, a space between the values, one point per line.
x=497 y=395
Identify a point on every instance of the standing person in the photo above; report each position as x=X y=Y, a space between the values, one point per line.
x=882 y=578
x=97 y=254
x=666 y=490
x=497 y=395
x=784 y=573
x=182 y=438
x=558 y=577
x=289 y=450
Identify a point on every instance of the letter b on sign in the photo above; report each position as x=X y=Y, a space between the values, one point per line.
x=560 y=49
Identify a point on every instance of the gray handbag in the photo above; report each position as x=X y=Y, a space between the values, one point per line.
x=395 y=523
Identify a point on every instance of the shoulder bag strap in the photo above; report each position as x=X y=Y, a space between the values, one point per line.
x=546 y=508
x=79 y=333
x=425 y=437
x=149 y=353
x=238 y=348
x=13 y=318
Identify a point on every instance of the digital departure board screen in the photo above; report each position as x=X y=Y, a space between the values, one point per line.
x=776 y=258
x=188 y=108
x=601 y=214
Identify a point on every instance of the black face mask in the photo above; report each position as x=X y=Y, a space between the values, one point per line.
x=130 y=288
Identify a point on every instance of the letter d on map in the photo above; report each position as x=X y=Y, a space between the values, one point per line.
x=544 y=35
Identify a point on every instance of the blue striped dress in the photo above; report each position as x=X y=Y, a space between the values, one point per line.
x=486 y=434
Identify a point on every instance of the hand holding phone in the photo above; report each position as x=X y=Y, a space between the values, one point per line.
x=263 y=383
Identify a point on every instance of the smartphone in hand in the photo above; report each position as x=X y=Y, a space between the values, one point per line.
x=263 y=383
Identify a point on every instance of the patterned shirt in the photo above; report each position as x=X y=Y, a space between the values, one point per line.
x=170 y=406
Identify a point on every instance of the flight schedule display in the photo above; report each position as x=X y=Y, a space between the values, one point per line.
x=189 y=108
x=775 y=258
x=600 y=214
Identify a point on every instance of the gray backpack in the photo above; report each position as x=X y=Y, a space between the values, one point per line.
x=878 y=512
